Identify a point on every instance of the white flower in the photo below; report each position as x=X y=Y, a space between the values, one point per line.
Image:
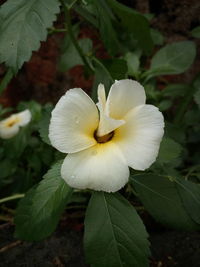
x=10 y=127
x=102 y=144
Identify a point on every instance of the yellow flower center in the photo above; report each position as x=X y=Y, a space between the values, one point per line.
x=12 y=122
x=105 y=138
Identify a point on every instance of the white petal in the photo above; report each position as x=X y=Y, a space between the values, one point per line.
x=106 y=124
x=74 y=121
x=24 y=117
x=139 y=138
x=101 y=97
x=8 y=132
x=123 y=96
x=101 y=167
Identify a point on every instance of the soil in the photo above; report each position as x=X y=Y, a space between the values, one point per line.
x=65 y=248
x=39 y=79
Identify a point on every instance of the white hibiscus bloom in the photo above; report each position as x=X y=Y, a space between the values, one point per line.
x=10 y=127
x=102 y=143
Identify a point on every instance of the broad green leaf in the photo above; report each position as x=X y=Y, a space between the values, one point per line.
x=169 y=150
x=161 y=197
x=157 y=37
x=44 y=124
x=71 y=57
x=175 y=132
x=196 y=32
x=23 y=24
x=116 y=67
x=39 y=211
x=190 y=195
x=135 y=23
x=175 y=90
x=115 y=235
x=173 y=58
x=164 y=104
x=133 y=63
x=106 y=29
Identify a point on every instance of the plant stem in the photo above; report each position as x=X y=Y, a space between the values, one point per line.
x=68 y=26
x=53 y=30
x=6 y=79
x=6 y=199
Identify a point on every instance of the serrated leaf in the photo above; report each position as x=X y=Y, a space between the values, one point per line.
x=23 y=24
x=115 y=235
x=39 y=211
x=160 y=196
x=173 y=58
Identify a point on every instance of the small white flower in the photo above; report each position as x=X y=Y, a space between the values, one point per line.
x=102 y=144
x=10 y=127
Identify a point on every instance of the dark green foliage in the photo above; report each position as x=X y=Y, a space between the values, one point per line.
x=115 y=235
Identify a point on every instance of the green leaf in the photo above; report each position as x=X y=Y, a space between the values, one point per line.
x=44 y=124
x=39 y=211
x=157 y=37
x=116 y=67
x=7 y=168
x=160 y=196
x=71 y=57
x=135 y=23
x=23 y=24
x=133 y=63
x=16 y=145
x=173 y=130
x=190 y=195
x=164 y=104
x=169 y=150
x=172 y=59
x=196 y=32
x=115 y=235
x=175 y=90
x=106 y=29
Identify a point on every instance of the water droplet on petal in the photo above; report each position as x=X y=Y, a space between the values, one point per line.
x=72 y=176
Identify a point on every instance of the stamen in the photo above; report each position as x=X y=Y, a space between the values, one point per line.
x=103 y=139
